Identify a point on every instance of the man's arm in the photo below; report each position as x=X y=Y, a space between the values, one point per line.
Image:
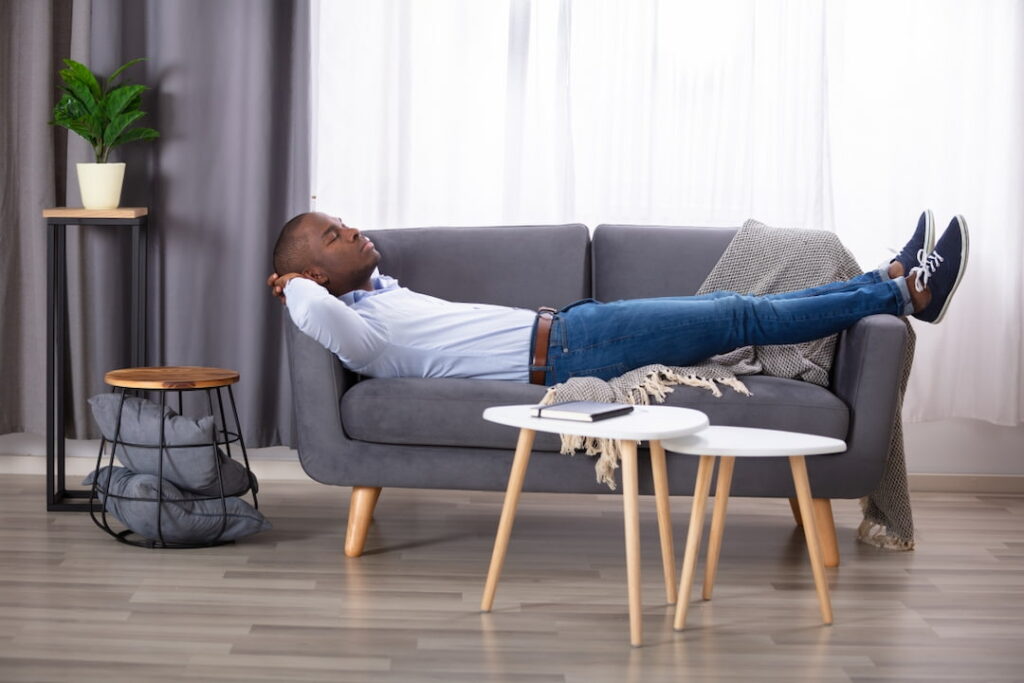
x=328 y=320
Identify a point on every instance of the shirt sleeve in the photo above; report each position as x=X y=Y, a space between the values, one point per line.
x=332 y=323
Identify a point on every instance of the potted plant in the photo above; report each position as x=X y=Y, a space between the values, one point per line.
x=104 y=115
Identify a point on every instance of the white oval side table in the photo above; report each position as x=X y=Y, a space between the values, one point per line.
x=645 y=423
x=727 y=444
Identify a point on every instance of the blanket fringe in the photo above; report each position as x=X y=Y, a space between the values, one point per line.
x=607 y=450
x=661 y=381
x=736 y=385
x=609 y=453
x=871 y=532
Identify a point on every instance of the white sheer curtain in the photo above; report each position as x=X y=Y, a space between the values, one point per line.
x=846 y=116
x=927 y=109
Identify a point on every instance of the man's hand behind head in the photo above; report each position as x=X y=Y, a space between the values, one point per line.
x=277 y=282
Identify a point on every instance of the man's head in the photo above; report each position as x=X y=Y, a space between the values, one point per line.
x=325 y=250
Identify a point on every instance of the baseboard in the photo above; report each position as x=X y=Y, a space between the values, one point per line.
x=264 y=469
x=966 y=483
x=23 y=453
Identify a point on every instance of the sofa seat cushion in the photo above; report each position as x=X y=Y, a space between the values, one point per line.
x=436 y=412
x=448 y=412
x=774 y=403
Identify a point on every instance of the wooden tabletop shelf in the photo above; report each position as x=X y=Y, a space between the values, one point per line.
x=171 y=377
x=79 y=212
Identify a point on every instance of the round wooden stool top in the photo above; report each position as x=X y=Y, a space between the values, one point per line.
x=171 y=377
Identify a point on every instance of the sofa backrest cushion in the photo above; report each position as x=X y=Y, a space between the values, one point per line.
x=638 y=261
x=525 y=266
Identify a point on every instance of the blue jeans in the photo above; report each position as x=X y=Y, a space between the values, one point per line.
x=594 y=339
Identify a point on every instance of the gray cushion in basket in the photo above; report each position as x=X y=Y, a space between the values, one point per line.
x=183 y=518
x=193 y=469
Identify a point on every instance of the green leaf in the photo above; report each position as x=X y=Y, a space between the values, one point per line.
x=80 y=92
x=120 y=99
x=68 y=107
x=118 y=124
x=93 y=122
x=135 y=134
x=122 y=68
x=61 y=118
x=80 y=73
x=81 y=129
x=68 y=113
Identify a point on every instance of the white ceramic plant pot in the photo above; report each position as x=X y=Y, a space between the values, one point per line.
x=100 y=185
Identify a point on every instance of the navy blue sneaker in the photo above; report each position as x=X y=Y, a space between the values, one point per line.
x=942 y=270
x=921 y=244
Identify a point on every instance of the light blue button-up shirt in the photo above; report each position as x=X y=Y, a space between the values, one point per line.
x=395 y=332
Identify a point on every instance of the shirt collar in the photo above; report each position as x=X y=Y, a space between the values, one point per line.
x=380 y=283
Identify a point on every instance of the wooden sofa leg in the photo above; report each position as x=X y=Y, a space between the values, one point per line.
x=360 y=514
x=795 y=507
x=826 y=531
x=826 y=528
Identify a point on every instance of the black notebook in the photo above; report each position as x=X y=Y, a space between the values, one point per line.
x=581 y=411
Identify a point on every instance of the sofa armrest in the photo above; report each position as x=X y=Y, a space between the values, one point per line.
x=866 y=376
x=318 y=382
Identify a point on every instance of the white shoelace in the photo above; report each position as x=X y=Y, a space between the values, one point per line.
x=929 y=264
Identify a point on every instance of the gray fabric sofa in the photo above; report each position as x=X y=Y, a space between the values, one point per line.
x=428 y=433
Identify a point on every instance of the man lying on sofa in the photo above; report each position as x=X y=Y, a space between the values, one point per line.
x=326 y=271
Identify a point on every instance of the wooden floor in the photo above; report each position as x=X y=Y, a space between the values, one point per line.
x=289 y=606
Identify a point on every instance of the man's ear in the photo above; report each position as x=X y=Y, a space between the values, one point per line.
x=316 y=275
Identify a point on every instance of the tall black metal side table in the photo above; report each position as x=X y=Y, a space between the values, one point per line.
x=58 y=497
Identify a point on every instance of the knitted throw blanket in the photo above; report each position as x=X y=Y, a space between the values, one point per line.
x=762 y=260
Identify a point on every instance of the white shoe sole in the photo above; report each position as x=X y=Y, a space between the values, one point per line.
x=929 y=231
x=964 y=249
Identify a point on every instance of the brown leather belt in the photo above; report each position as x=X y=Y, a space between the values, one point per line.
x=541 y=337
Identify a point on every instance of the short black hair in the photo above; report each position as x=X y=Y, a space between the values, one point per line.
x=290 y=253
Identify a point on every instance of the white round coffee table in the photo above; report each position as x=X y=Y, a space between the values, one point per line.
x=727 y=444
x=645 y=423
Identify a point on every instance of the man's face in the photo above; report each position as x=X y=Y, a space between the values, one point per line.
x=342 y=254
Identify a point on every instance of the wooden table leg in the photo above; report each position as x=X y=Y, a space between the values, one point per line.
x=803 y=495
x=631 y=516
x=725 y=467
x=661 y=499
x=700 y=499
x=508 y=514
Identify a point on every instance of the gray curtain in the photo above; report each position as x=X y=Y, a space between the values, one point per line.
x=230 y=96
x=32 y=34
